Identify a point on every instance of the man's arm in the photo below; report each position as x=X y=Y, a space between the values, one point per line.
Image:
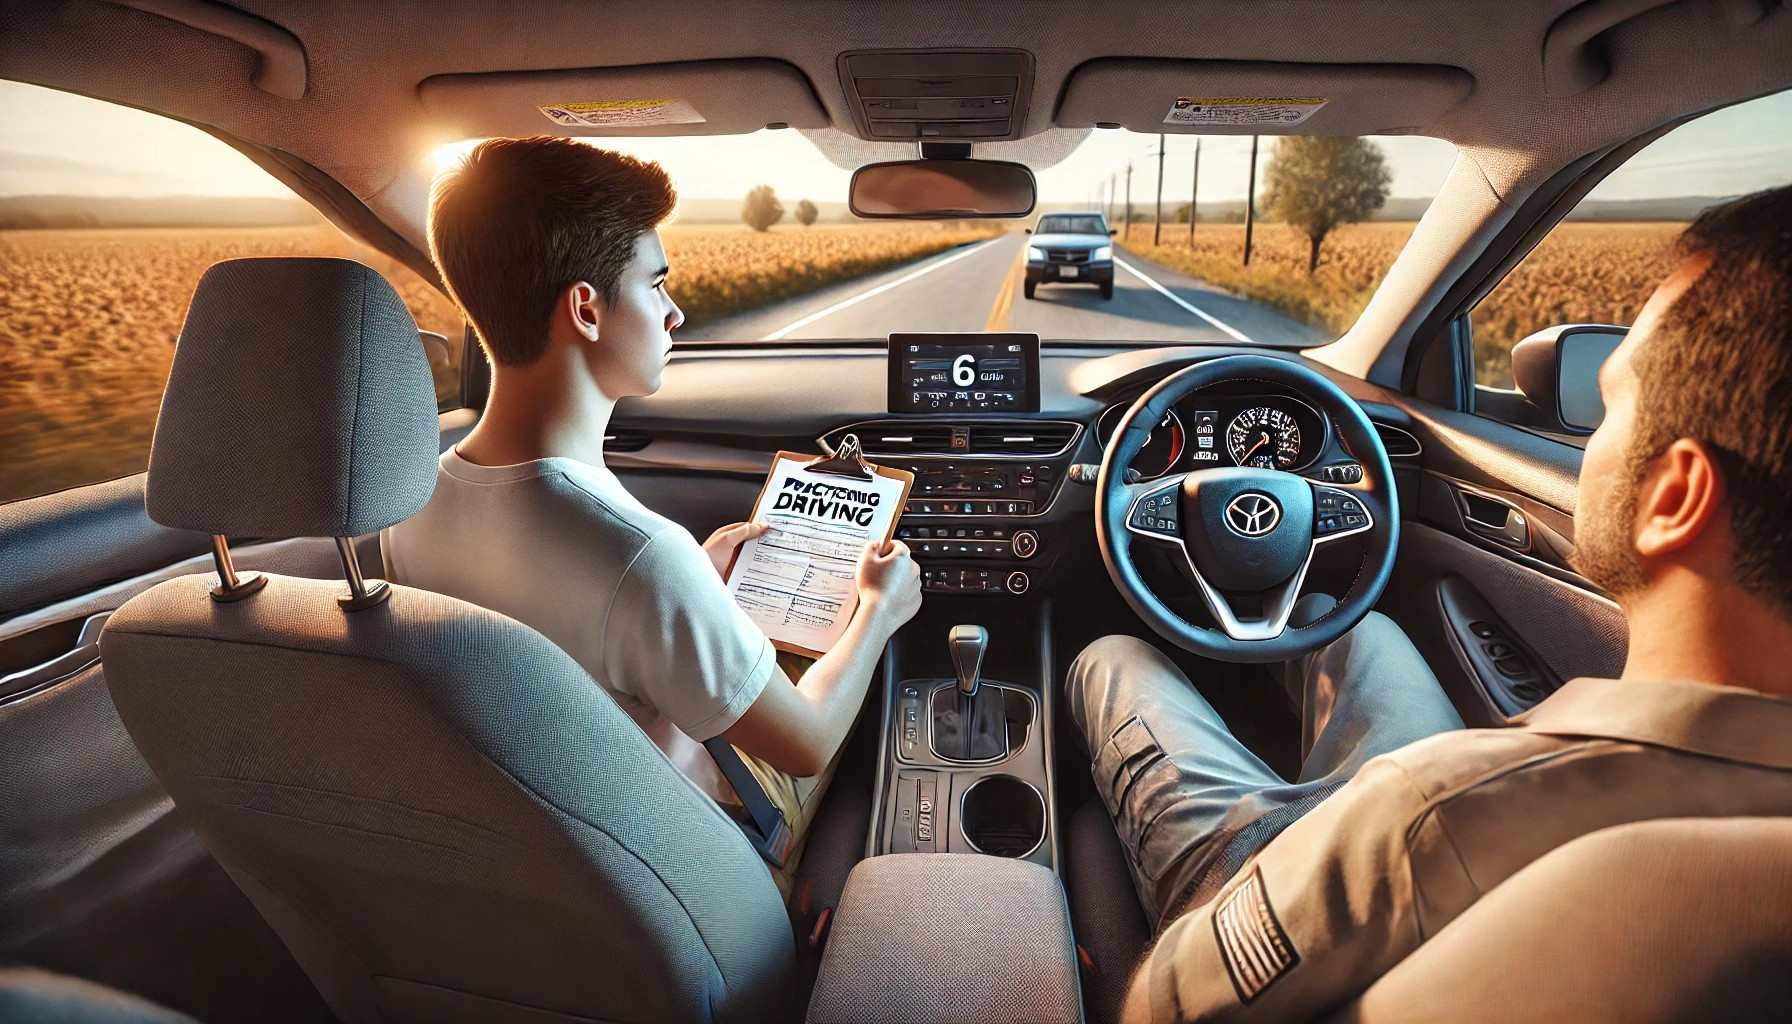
x=1309 y=923
x=798 y=727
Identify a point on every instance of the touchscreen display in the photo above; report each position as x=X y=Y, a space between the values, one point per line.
x=994 y=373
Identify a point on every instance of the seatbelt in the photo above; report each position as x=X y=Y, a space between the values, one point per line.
x=769 y=833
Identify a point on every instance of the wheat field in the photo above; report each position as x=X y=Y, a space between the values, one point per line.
x=88 y=318
x=1581 y=273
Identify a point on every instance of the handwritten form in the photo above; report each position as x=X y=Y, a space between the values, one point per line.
x=796 y=581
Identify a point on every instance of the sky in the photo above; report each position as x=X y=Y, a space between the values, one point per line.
x=57 y=143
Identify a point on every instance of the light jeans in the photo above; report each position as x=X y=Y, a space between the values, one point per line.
x=1190 y=802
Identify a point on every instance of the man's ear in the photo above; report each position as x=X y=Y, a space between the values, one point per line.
x=580 y=305
x=1679 y=499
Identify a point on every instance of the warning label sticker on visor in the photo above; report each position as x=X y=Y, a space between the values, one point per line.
x=1243 y=110
x=621 y=113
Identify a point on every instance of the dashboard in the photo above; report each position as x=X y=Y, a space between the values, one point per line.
x=1000 y=504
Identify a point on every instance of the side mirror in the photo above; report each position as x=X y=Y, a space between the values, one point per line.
x=1112 y=233
x=1027 y=230
x=435 y=346
x=1557 y=369
x=942 y=190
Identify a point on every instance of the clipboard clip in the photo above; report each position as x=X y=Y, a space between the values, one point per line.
x=848 y=460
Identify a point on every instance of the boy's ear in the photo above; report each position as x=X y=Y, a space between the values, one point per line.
x=580 y=305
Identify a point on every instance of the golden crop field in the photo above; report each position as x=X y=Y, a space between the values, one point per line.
x=88 y=318
x=1582 y=272
x=718 y=271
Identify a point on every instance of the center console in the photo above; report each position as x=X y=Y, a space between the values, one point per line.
x=966 y=757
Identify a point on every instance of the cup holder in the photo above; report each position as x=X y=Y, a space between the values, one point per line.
x=1002 y=816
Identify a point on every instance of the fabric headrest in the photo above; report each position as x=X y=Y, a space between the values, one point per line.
x=300 y=405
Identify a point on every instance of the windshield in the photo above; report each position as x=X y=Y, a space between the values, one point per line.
x=764 y=248
x=1072 y=226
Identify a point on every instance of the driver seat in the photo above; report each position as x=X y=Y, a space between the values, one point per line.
x=438 y=810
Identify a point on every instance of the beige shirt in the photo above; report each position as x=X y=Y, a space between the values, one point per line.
x=561 y=546
x=1420 y=834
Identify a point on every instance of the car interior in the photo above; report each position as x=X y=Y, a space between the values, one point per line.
x=332 y=803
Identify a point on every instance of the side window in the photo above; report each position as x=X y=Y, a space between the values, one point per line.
x=108 y=216
x=1603 y=261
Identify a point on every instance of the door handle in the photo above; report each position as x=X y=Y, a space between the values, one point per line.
x=1495 y=519
x=85 y=652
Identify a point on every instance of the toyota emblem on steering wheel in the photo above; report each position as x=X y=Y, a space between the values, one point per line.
x=1252 y=514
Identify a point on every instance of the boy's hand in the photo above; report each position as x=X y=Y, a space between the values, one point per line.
x=721 y=544
x=889 y=584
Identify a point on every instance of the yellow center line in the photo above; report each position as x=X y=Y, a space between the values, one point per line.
x=998 y=314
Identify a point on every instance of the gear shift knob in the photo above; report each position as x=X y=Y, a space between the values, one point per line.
x=967 y=644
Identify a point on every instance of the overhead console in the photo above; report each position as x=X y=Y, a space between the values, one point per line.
x=955 y=95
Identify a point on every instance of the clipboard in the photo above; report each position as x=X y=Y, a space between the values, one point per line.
x=848 y=463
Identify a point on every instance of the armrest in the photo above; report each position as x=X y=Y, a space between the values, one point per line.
x=922 y=938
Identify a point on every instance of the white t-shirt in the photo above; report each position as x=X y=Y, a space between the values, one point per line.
x=561 y=546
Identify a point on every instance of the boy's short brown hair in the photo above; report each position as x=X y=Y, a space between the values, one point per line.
x=522 y=219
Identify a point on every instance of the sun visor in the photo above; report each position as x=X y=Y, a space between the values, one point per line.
x=1252 y=98
x=711 y=97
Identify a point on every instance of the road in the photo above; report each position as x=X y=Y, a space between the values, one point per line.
x=978 y=288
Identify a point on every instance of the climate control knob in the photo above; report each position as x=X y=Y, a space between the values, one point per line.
x=1025 y=544
x=1018 y=582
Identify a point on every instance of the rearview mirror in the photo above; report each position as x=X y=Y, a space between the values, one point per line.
x=1558 y=370
x=942 y=190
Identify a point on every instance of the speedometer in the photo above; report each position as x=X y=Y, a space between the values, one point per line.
x=1263 y=438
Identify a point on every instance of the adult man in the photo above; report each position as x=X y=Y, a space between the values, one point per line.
x=1282 y=900
x=551 y=249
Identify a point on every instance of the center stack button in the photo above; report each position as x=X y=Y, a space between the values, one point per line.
x=1025 y=544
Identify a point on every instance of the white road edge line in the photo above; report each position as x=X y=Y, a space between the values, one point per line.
x=1177 y=299
x=879 y=290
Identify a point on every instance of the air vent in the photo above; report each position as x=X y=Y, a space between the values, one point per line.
x=1047 y=438
x=626 y=441
x=902 y=439
x=1399 y=443
x=1019 y=438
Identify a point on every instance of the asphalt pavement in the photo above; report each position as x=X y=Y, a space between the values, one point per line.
x=977 y=287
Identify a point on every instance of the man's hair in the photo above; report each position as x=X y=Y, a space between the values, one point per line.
x=1719 y=369
x=522 y=219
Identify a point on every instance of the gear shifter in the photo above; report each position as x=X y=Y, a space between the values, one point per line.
x=969 y=720
x=967 y=644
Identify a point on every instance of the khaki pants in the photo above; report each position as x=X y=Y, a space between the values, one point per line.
x=797 y=798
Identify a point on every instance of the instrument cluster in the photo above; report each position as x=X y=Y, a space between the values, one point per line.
x=1206 y=430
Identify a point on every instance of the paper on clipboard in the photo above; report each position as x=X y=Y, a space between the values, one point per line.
x=796 y=581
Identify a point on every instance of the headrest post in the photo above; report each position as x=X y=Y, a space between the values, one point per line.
x=360 y=594
x=232 y=587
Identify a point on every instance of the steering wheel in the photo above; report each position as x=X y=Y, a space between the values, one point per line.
x=1247 y=535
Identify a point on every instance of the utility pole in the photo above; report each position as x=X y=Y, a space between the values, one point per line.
x=1128 y=234
x=1194 y=193
x=1111 y=191
x=1250 y=202
x=1157 y=222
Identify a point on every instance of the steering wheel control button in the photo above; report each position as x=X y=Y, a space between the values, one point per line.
x=1025 y=544
x=1018 y=583
x=1158 y=512
x=1342 y=473
x=1337 y=513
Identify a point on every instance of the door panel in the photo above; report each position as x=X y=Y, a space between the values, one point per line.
x=102 y=879
x=1483 y=582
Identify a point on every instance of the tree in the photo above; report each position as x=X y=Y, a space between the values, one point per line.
x=1316 y=184
x=806 y=213
x=761 y=208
